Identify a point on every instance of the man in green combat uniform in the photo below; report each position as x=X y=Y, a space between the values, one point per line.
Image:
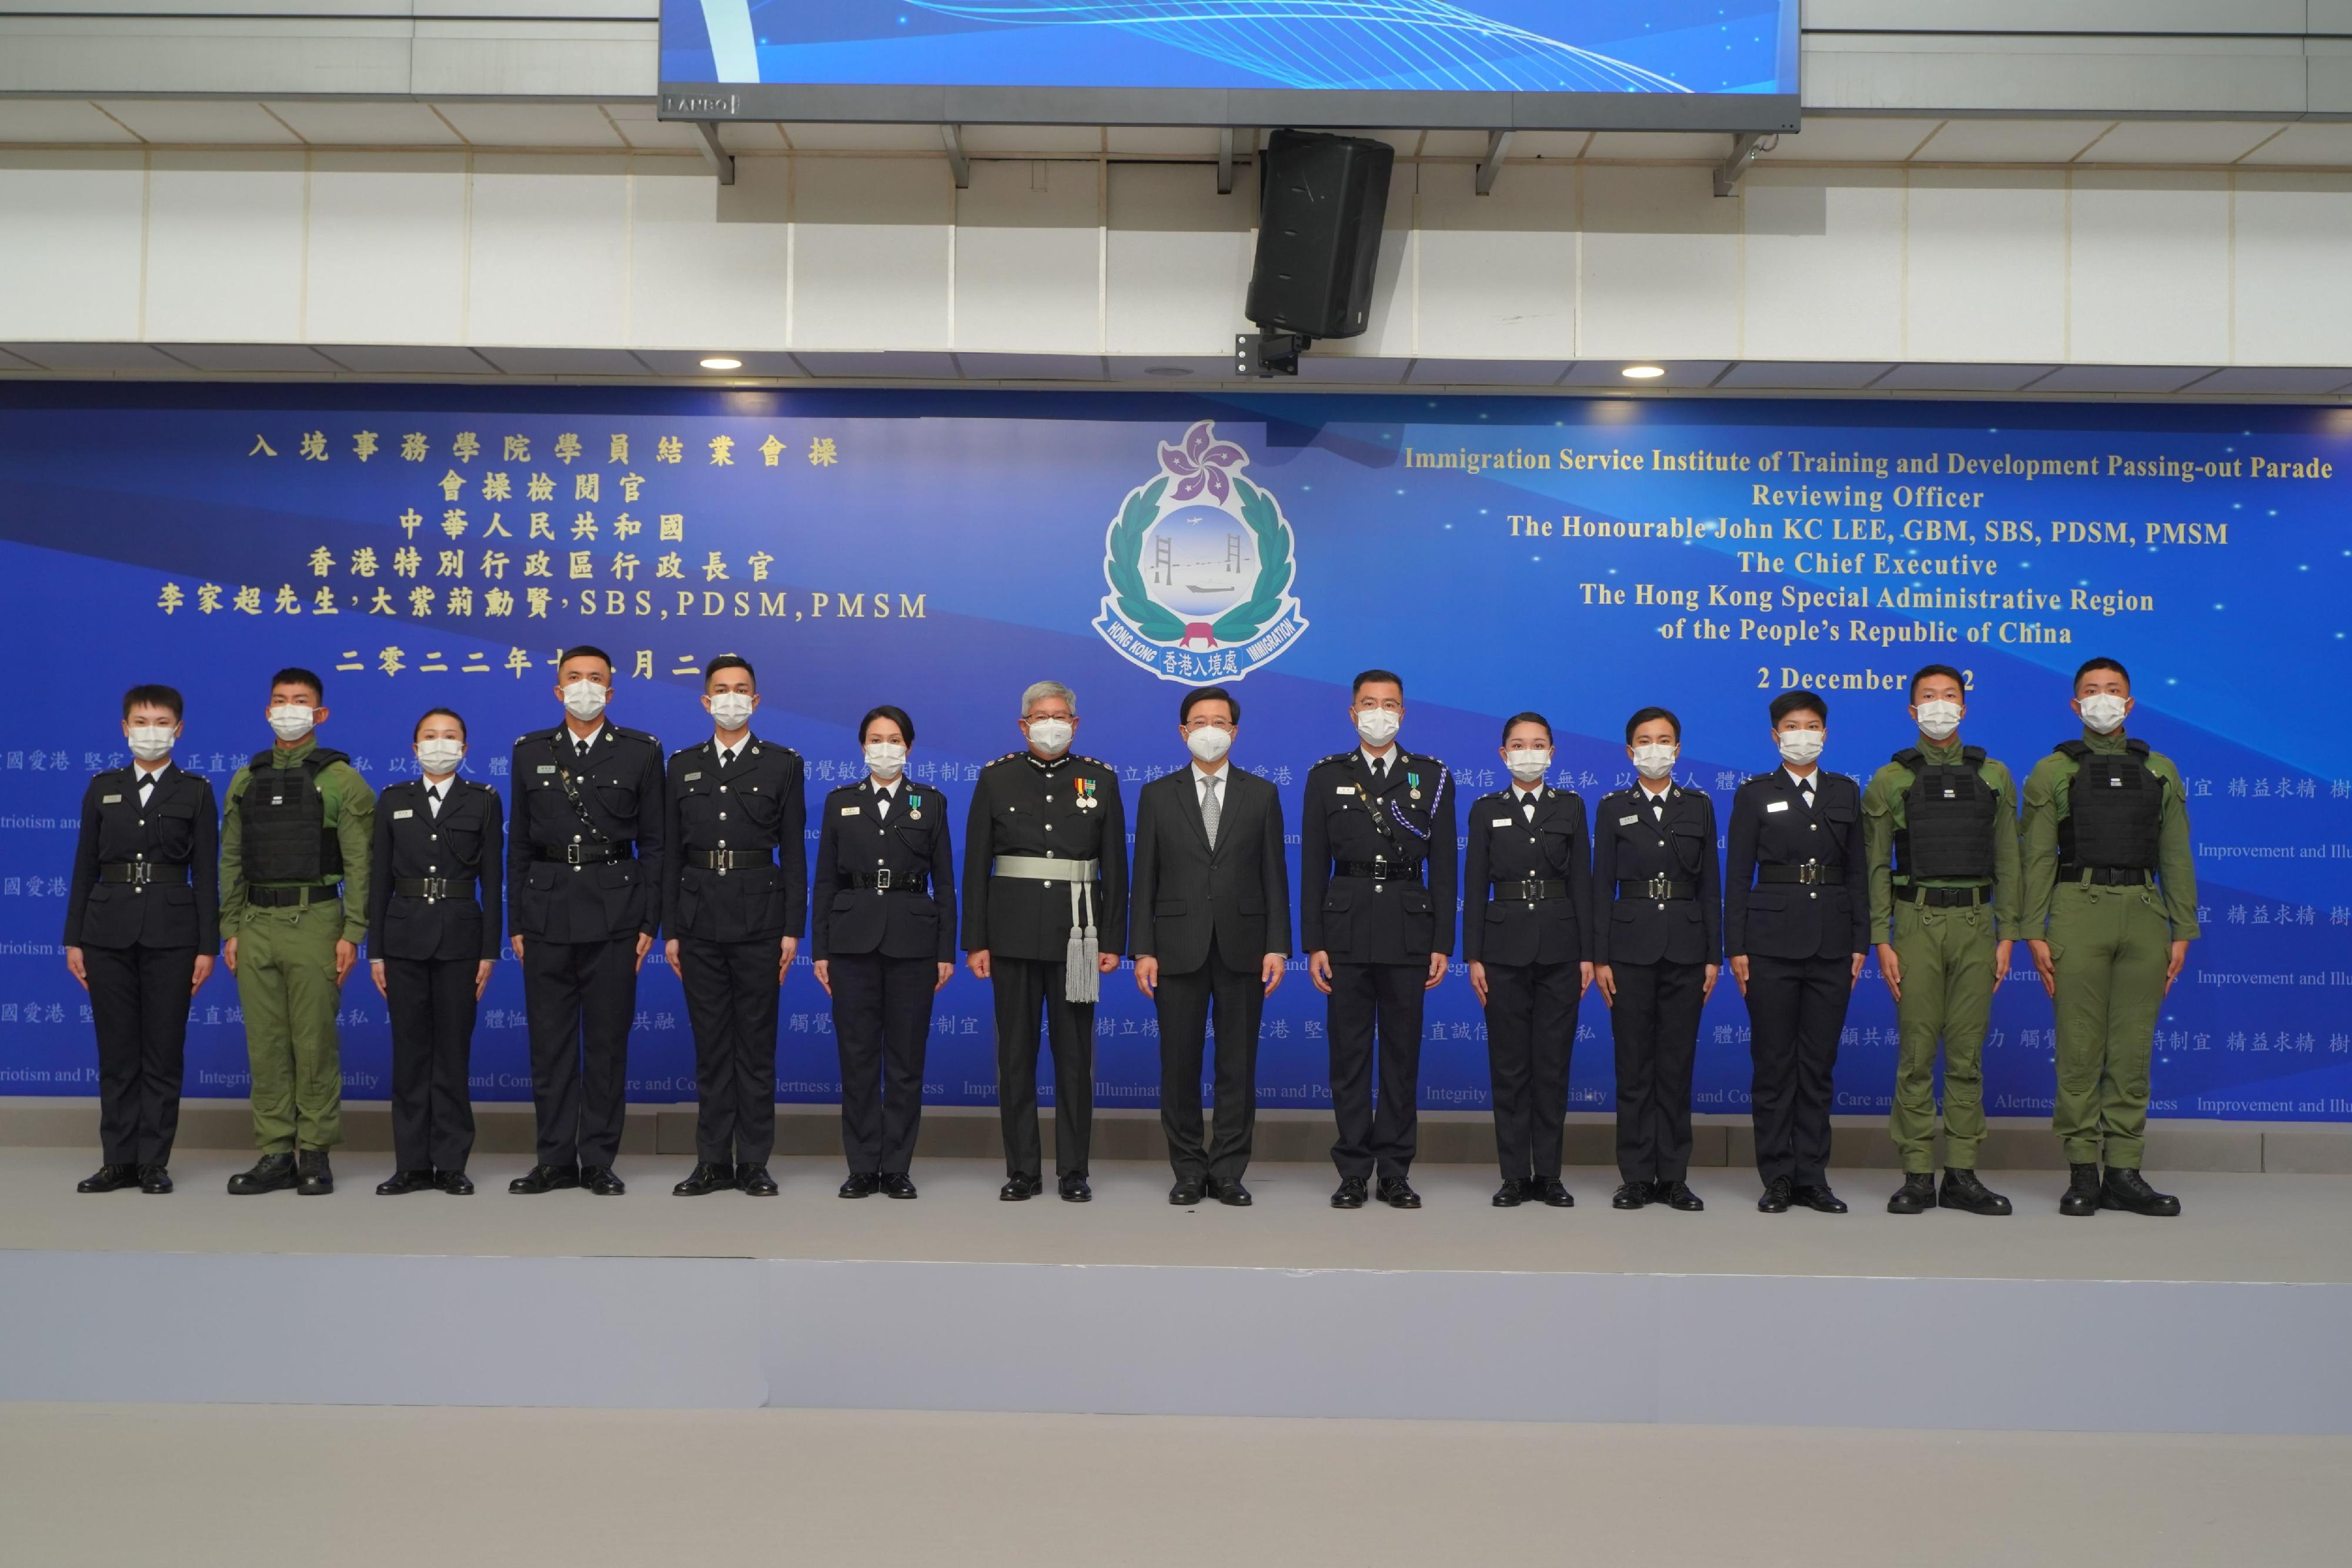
x=298 y=823
x=2108 y=870
x=1939 y=822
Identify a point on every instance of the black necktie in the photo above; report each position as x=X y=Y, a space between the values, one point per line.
x=1805 y=789
x=146 y=788
x=580 y=748
x=1658 y=807
x=725 y=756
x=1380 y=769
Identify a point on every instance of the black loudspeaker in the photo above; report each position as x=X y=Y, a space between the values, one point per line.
x=1321 y=202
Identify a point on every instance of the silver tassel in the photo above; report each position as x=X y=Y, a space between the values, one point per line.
x=1081 y=980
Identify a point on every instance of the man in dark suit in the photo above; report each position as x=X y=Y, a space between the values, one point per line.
x=734 y=903
x=1378 y=817
x=584 y=901
x=1797 y=923
x=142 y=922
x=1211 y=923
x=1656 y=931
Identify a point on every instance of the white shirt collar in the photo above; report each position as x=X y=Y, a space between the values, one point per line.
x=1664 y=788
x=890 y=789
x=1200 y=777
x=588 y=740
x=148 y=775
x=720 y=745
x=1523 y=793
x=1395 y=756
x=1813 y=779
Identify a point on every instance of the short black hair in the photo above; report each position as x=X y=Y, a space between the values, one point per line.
x=1517 y=719
x=1788 y=703
x=2090 y=664
x=728 y=662
x=1644 y=715
x=438 y=713
x=585 y=650
x=1925 y=671
x=296 y=675
x=1368 y=678
x=896 y=716
x=152 y=695
x=1208 y=695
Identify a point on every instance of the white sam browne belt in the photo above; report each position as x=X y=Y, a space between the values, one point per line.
x=1081 y=976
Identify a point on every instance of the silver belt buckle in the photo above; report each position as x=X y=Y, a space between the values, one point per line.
x=882 y=880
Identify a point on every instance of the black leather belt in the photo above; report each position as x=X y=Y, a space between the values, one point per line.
x=729 y=860
x=435 y=887
x=1656 y=887
x=138 y=873
x=1535 y=890
x=2106 y=875
x=1810 y=873
x=1946 y=897
x=1379 y=870
x=583 y=854
x=292 y=897
x=887 y=880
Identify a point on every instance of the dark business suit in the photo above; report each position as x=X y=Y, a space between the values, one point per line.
x=434 y=886
x=1657 y=923
x=1533 y=934
x=1797 y=903
x=582 y=885
x=144 y=901
x=1378 y=928
x=884 y=901
x=1210 y=913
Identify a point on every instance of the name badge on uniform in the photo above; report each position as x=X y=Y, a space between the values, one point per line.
x=1951 y=794
x=1343 y=789
x=110 y=799
x=1776 y=805
x=1500 y=822
x=547 y=767
x=1628 y=821
x=2114 y=782
x=403 y=811
x=692 y=776
x=849 y=811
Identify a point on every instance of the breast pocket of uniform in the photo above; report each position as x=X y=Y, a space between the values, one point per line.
x=1690 y=846
x=465 y=841
x=621 y=800
x=1559 y=848
x=759 y=804
x=175 y=830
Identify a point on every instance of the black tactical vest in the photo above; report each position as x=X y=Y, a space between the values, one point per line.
x=1948 y=818
x=2113 y=808
x=284 y=820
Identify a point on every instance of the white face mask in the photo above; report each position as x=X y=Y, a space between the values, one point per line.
x=2103 y=713
x=1529 y=766
x=1377 y=725
x=291 y=722
x=440 y=758
x=1051 y=736
x=1208 y=743
x=1939 y=720
x=1800 y=746
x=1656 y=760
x=885 y=759
x=152 y=742
x=731 y=709
x=583 y=700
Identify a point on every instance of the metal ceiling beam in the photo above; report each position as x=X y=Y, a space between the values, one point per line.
x=1497 y=143
x=958 y=163
x=714 y=151
x=1732 y=170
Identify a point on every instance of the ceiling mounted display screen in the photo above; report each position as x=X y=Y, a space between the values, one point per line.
x=1652 y=65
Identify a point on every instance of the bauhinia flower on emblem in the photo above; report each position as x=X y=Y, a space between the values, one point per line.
x=1201 y=462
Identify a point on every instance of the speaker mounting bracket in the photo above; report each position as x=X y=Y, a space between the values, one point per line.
x=1262 y=356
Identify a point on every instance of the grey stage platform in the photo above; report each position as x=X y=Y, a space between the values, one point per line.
x=2227 y=1319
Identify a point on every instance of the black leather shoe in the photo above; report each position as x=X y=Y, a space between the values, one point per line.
x=753 y=1181
x=1231 y=1193
x=2128 y=1190
x=154 y=1179
x=546 y=1178
x=1820 y=1199
x=860 y=1184
x=1778 y=1193
x=1075 y=1189
x=1185 y=1192
x=109 y=1178
x=2083 y=1192
x=402 y=1182
x=600 y=1180
x=457 y=1184
x=898 y=1184
x=270 y=1173
x=1397 y=1192
x=707 y=1177
x=1350 y=1193
x=1964 y=1192
x=1510 y=1195
x=1916 y=1196
x=1554 y=1193
x=1631 y=1195
x=1020 y=1189
x=1677 y=1195
x=314 y=1178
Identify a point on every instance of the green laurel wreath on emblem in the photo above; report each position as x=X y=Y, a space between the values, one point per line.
x=1124 y=567
x=1242 y=622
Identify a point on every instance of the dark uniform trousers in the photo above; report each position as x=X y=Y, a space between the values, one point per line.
x=732 y=1000
x=1023 y=986
x=882 y=1023
x=1800 y=938
x=432 y=1006
x=1381 y=1133
x=1657 y=950
x=1530 y=1035
x=1185 y=1019
x=140 y=943
x=580 y=926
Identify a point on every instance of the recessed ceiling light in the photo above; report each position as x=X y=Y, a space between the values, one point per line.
x=1167 y=370
x=721 y=362
x=1630 y=373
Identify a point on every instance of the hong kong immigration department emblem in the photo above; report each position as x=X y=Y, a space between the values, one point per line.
x=1200 y=564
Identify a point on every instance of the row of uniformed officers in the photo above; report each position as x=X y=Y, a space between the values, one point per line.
x=605 y=846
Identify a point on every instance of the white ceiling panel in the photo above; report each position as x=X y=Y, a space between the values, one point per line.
x=360 y=122
x=1805 y=375
x=1660 y=145
x=2010 y=141
x=2122 y=378
x=640 y=127
x=1487 y=373
x=58 y=119
x=1181 y=141
x=406 y=360
x=863 y=138
x=922 y=365
x=93 y=356
x=2314 y=143
x=1461 y=144
x=564 y=361
x=1680 y=373
x=1028 y=140
x=1961 y=378
x=1839 y=140
x=201 y=122
x=250 y=359
x=2181 y=140
x=2290 y=380
x=531 y=124
x=1549 y=143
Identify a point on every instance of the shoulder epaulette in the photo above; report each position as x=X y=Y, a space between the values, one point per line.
x=1335 y=757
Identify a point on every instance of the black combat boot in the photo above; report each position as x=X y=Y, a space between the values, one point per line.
x=1964 y=1192
x=2082 y=1193
x=1916 y=1196
x=2128 y=1190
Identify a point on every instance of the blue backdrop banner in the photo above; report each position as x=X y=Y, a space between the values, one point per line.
x=939 y=550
